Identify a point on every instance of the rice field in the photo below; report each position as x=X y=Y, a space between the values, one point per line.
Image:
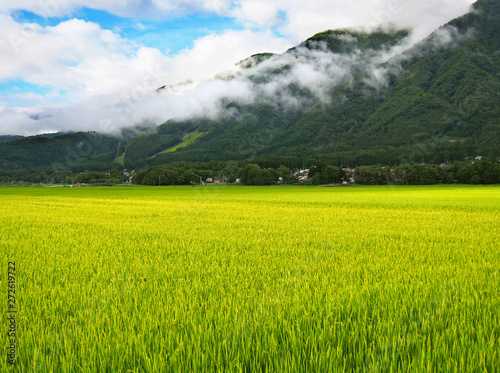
x=241 y=279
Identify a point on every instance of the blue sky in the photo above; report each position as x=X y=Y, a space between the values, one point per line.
x=167 y=35
x=91 y=53
x=13 y=90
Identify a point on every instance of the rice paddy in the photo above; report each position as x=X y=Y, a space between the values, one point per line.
x=177 y=279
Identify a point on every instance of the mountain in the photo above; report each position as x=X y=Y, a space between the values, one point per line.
x=436 y=102
x=8 y=138
x=341 y=97
x=68 y=151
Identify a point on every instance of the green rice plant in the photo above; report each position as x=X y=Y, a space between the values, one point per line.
x=177 y=279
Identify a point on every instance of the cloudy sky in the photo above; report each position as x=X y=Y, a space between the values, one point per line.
x=86 y=65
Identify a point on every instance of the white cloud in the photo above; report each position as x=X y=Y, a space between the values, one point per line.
x=82 y=57
x=106 y=76
x=216 y=53
x=305 y=18
x=47 y=56
x=320 y=69
x=258 y=13
x=124 y=8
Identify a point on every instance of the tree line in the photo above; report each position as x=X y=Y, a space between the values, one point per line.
x=472 y=172
x=266 y=172
x=477 y=172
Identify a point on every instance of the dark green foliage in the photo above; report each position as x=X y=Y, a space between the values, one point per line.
x=64 y=151
x=326 y=174
x=252 y=174
x=370 y=175
x=255 y=59
x=183 y=173
x=477 y=172
x=146 y=149
x=346 y=41
x=147 y=146
x=471 y=172
x=9 y=138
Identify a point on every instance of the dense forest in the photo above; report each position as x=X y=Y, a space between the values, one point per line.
x=268 y=172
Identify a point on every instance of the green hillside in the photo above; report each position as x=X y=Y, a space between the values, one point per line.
x=70 y=151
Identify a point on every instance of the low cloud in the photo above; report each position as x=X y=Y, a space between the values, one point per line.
x=276 y=81
x=297 y=19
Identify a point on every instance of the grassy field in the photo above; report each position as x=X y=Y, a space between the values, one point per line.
x=176 y=279
x=186 y=141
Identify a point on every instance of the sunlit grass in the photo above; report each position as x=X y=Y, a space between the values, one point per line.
x=244 y=279
x=187 y=140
